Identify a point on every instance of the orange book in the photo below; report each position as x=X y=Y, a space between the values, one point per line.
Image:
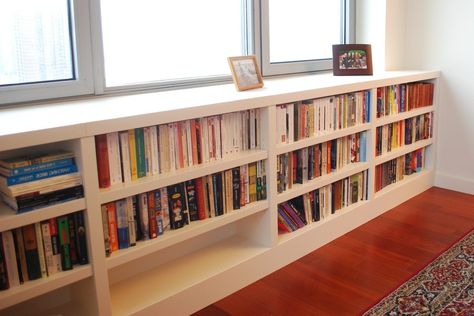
x=152 y=223
x=200 y=198
x=102 y=160
x=112 y=218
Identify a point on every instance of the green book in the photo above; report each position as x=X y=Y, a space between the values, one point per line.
x=140 y=151
x=64 y=243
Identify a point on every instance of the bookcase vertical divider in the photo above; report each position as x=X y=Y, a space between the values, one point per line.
x=370 y=146
x=95 y=234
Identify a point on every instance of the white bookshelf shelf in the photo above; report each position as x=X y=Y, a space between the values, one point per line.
x=173 y=237
x=35 y=288
x=395 y=153
x=402 y=116
x=300 y=189
x=327 y=136
x=9 y=219
x=144 y=292
x=150 y=183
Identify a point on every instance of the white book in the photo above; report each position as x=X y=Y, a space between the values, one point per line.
x=115 y=162
x=164 y=148
x=189 y=142
x=225 y=137
x=155 y=160
x=125 y=155
x=10 y=258
x=291 y=122
x=205 y=139
x=258 y=125
x=183 y=159
x=165 y=209
x=217 y=130
x=281 y=124
x=53 y=263
x=252 y=129
x=172 y=146
x=144 y=220
x=40 y=245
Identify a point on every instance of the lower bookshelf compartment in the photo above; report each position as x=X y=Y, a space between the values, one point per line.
x=67 y=293
x=35 y=288
x=149 y=291
x=190 y=231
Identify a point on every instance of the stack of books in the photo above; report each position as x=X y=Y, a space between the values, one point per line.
x=31 y=182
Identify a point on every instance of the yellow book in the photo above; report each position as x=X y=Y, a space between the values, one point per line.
x=133 y=154
x=253 y=182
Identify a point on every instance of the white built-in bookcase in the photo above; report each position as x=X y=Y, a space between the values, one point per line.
x=187 y=269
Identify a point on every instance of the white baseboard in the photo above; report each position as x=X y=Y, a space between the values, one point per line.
x=454 y=183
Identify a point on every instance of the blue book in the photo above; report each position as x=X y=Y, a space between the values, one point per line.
x=7 y=172
x=363 y=142
x=38 y=175
x=122 y=224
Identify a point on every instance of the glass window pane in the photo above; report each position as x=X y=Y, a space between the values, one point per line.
x=303 y=29
x=148 y=40
x=35 y=42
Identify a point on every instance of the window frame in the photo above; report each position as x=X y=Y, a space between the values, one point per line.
x=89 y=58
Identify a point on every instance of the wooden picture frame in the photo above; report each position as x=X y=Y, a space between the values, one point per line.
x=351 y=59
x=245 y=72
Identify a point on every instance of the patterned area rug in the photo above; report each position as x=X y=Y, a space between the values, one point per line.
x=444 y=287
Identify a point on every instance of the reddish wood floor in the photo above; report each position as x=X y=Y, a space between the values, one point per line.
x=353 y=272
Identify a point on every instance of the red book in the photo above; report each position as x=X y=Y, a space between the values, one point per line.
x=112 y=217
x=200 y=198
x=152 y=223
x=102 y=160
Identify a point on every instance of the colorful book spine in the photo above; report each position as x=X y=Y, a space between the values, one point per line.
x=40 y=167
x=122 y=224
x=102 y=160
x=64 y=243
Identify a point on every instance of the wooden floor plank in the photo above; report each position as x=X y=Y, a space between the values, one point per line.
x=353 y=272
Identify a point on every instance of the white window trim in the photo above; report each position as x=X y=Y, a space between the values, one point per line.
x=83 y=84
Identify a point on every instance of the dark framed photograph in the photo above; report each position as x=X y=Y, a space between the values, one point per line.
x=351 y=59
x=245 y=72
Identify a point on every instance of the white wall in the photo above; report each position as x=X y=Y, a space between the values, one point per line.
x=438 y=35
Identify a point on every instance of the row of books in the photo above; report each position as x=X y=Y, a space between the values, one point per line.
x=321 y=203
x=295 y=121
x=42 y=249
x=311 y=162
x=150 y=214
x=32 y=182
x=129 y=155
x=403 y=97
x=406 y=132
x=394 y=170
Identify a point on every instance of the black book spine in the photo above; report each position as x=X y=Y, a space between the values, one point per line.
x=192 y=202
x=81 y=239
x=236 y=188
x=176 y=205
x=4 y=285
x=31 y=252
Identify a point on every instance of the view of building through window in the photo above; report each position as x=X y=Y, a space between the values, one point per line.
x=35 y=43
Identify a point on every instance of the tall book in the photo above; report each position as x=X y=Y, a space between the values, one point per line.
x=81 y=238
x=53 y=231
x=112 y=223
x=105 y=228
x=191 y=198
x=122 y=224
x=39 y=241
x=177 y=205
x=53 y=266
x=20 y=254
x=31 y=252
x=64 y=243
x=143 y=215
x=140 y=152
x=102 y=160
x=152 y=223
x=132 y=229
x=165 y=209
x=10 y=258
x=4 y=285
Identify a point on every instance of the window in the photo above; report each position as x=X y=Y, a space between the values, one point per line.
x=58 y=48
x=44 y=49
x=298 y=37
x=152 y=41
